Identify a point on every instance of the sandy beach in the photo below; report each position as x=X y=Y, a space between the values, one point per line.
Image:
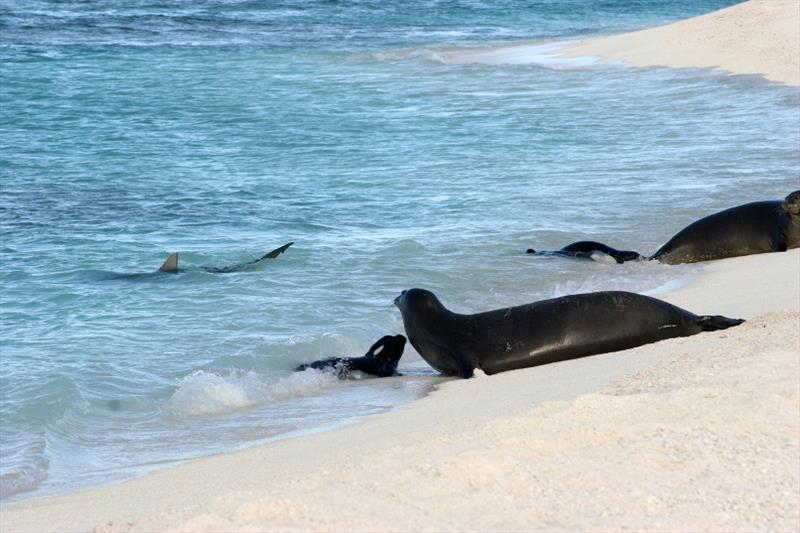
x=754 y=37
x=697 y=433
x=757 y=37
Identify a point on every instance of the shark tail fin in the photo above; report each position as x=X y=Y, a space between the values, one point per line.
x=277 y=251
x=170 y=265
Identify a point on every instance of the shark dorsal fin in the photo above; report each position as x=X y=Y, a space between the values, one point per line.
x=170 y=265
x=277 y=251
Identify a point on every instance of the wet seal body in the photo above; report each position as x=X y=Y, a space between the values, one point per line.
x=589 y=250
x=542 y=332
x=380 y=360
x=754 y=228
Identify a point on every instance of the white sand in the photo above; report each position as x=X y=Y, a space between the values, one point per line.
x=755 y=37
x=697 y=433
x=760 y=37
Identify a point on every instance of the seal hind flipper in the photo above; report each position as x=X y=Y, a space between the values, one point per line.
x=170 y=265
x=717 y=322
x=276 y=252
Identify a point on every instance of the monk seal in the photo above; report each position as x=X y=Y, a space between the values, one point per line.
x=754 y=228
x=542 y=332
x=380 y=360
x=590 y=250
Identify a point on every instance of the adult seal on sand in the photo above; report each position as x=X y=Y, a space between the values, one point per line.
x=542 y=332
x=591 y=250
x=380 y=360
x=754 y=228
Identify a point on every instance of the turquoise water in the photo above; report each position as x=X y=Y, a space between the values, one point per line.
x=222 y=130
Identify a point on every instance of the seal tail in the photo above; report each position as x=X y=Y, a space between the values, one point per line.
x=717 y=322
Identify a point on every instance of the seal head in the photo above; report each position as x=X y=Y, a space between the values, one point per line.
x=791 y=204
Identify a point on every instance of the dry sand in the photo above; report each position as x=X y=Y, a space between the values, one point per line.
x=697 y=433
x=755 y=37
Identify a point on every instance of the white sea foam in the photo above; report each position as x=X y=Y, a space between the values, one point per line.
x=208 y=393
x=24 y=480
x=547 y=54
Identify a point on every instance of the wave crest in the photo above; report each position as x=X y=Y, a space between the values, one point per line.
x=209 y=393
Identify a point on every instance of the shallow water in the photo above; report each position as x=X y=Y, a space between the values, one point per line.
x=223 y=130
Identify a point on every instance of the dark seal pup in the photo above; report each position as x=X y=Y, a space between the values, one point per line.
x=754 y=228
x=589 y=249
x=380 y=360
x=542 y=332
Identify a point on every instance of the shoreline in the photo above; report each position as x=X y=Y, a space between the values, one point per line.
x=439 y=462
x=420 y=386
x=756 y=37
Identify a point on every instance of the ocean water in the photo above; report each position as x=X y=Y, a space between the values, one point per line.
x=220 y=130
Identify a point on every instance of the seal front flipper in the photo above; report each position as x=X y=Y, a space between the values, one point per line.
x=170 y=265
x=465 y=369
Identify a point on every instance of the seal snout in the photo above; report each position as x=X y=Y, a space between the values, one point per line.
x=397 y=299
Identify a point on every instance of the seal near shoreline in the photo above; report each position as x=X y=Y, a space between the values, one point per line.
x=754 y=228
x=542 y=332
x=380 y=360
x=591 y=250
x=170 y=266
